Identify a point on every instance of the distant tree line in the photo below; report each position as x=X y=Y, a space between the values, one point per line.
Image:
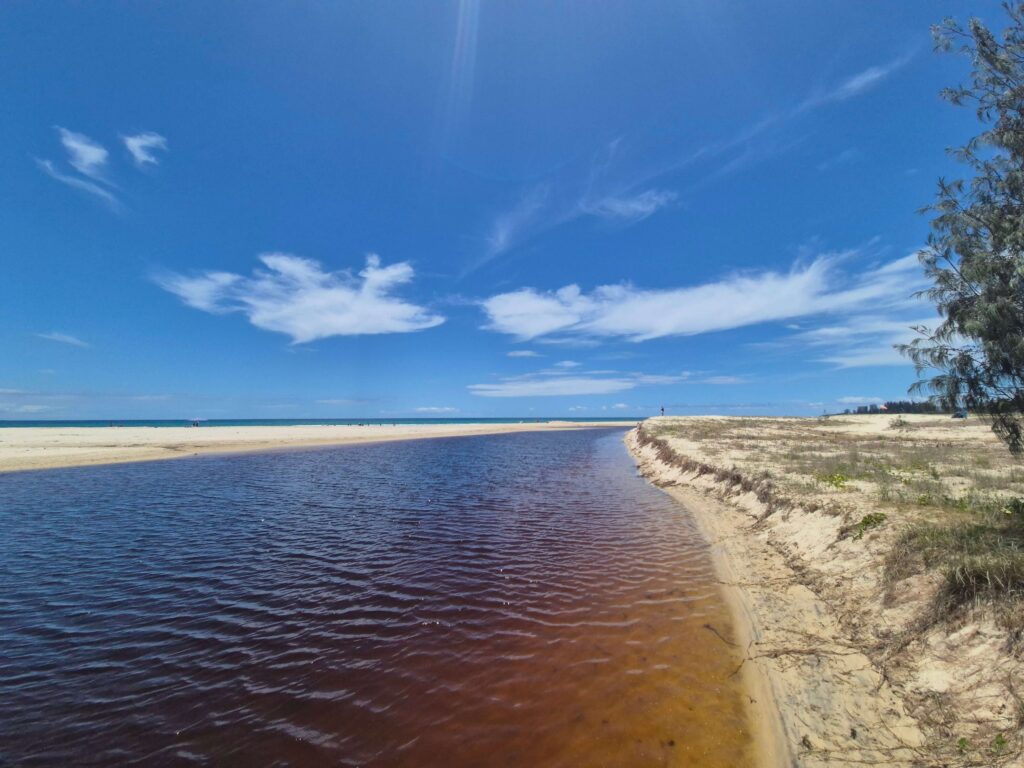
x=911 y=406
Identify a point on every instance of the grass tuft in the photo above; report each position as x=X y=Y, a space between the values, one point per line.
x=982 y=560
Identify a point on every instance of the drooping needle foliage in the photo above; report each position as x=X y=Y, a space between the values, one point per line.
x=974 y=358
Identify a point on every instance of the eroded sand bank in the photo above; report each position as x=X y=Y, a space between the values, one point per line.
x=25 y=448
x=845 y=665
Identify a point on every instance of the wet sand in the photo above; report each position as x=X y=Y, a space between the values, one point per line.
x=25 y=448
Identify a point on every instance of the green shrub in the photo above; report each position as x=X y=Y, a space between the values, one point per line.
x=870 y=520
x=837 y=480
x=981 y=560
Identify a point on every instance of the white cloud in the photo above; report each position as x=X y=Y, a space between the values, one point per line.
x=860 y=400
x=142 y=146
x=63 y=338
x=513 y=225
x=620 y=406
x=522 y=353
x=854 y=85
x=631 y=208
x=436 y=409
x=85 y=155
x=605 y=184
x=76 y=183
x=724 y=380
x=863 y=81
x=567 y=364
x=868 y=357
x=846 y=157
x=548 y=383
x=865 y=340
x=295 y=296
x=569 y=385
x=909 y=262
x=24 y=408
x=636 y=314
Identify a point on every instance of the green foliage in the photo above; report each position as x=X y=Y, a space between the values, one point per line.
x=974 y=358
x=962 y=745
x=911 y=406
x=837 y=480
x=899 y=423
x=998 y=744
x=979 y=560
x=870 y=520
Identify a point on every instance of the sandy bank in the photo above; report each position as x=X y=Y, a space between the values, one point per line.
x=25 y=448
x=844 y=666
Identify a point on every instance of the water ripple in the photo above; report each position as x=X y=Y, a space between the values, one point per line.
x=507 y=600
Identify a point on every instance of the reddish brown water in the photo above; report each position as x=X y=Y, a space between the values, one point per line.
x=519 y=600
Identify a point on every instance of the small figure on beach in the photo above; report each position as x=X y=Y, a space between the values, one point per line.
x=663 y=410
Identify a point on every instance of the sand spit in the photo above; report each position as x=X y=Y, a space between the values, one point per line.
x=26 y=448
x=844 y=666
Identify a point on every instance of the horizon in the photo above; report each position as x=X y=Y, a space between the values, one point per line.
x=469 y=210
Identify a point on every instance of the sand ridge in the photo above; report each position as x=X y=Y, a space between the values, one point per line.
x=805 y=518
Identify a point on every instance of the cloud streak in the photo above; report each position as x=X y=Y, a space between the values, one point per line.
x=564 y=381
x=85 y=155
x=63 y=338
x=89 y=158
x=297 y=297
x=141 y=147
x=616 y=187
x=638 y=314
x=630 y=208
x=864 y=81
x=81 y=184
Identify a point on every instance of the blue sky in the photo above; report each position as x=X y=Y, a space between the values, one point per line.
x=467 y=209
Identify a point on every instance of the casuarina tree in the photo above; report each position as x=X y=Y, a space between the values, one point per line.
x=974 y=357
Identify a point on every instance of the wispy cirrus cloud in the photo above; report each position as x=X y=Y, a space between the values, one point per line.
x=846 y=157
x=630 y=208
x=861 y=82
x=554 y=387
x=90 y=160
x=522 y=353
x=639 y=314
x=142 y=146
x=616 y=185
x=63 y=338
x=24 y=409
x=76 y=182
x=436 y=409
x=564 y=380
x=297 y=297
x=867 y=339
x=85 y=155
